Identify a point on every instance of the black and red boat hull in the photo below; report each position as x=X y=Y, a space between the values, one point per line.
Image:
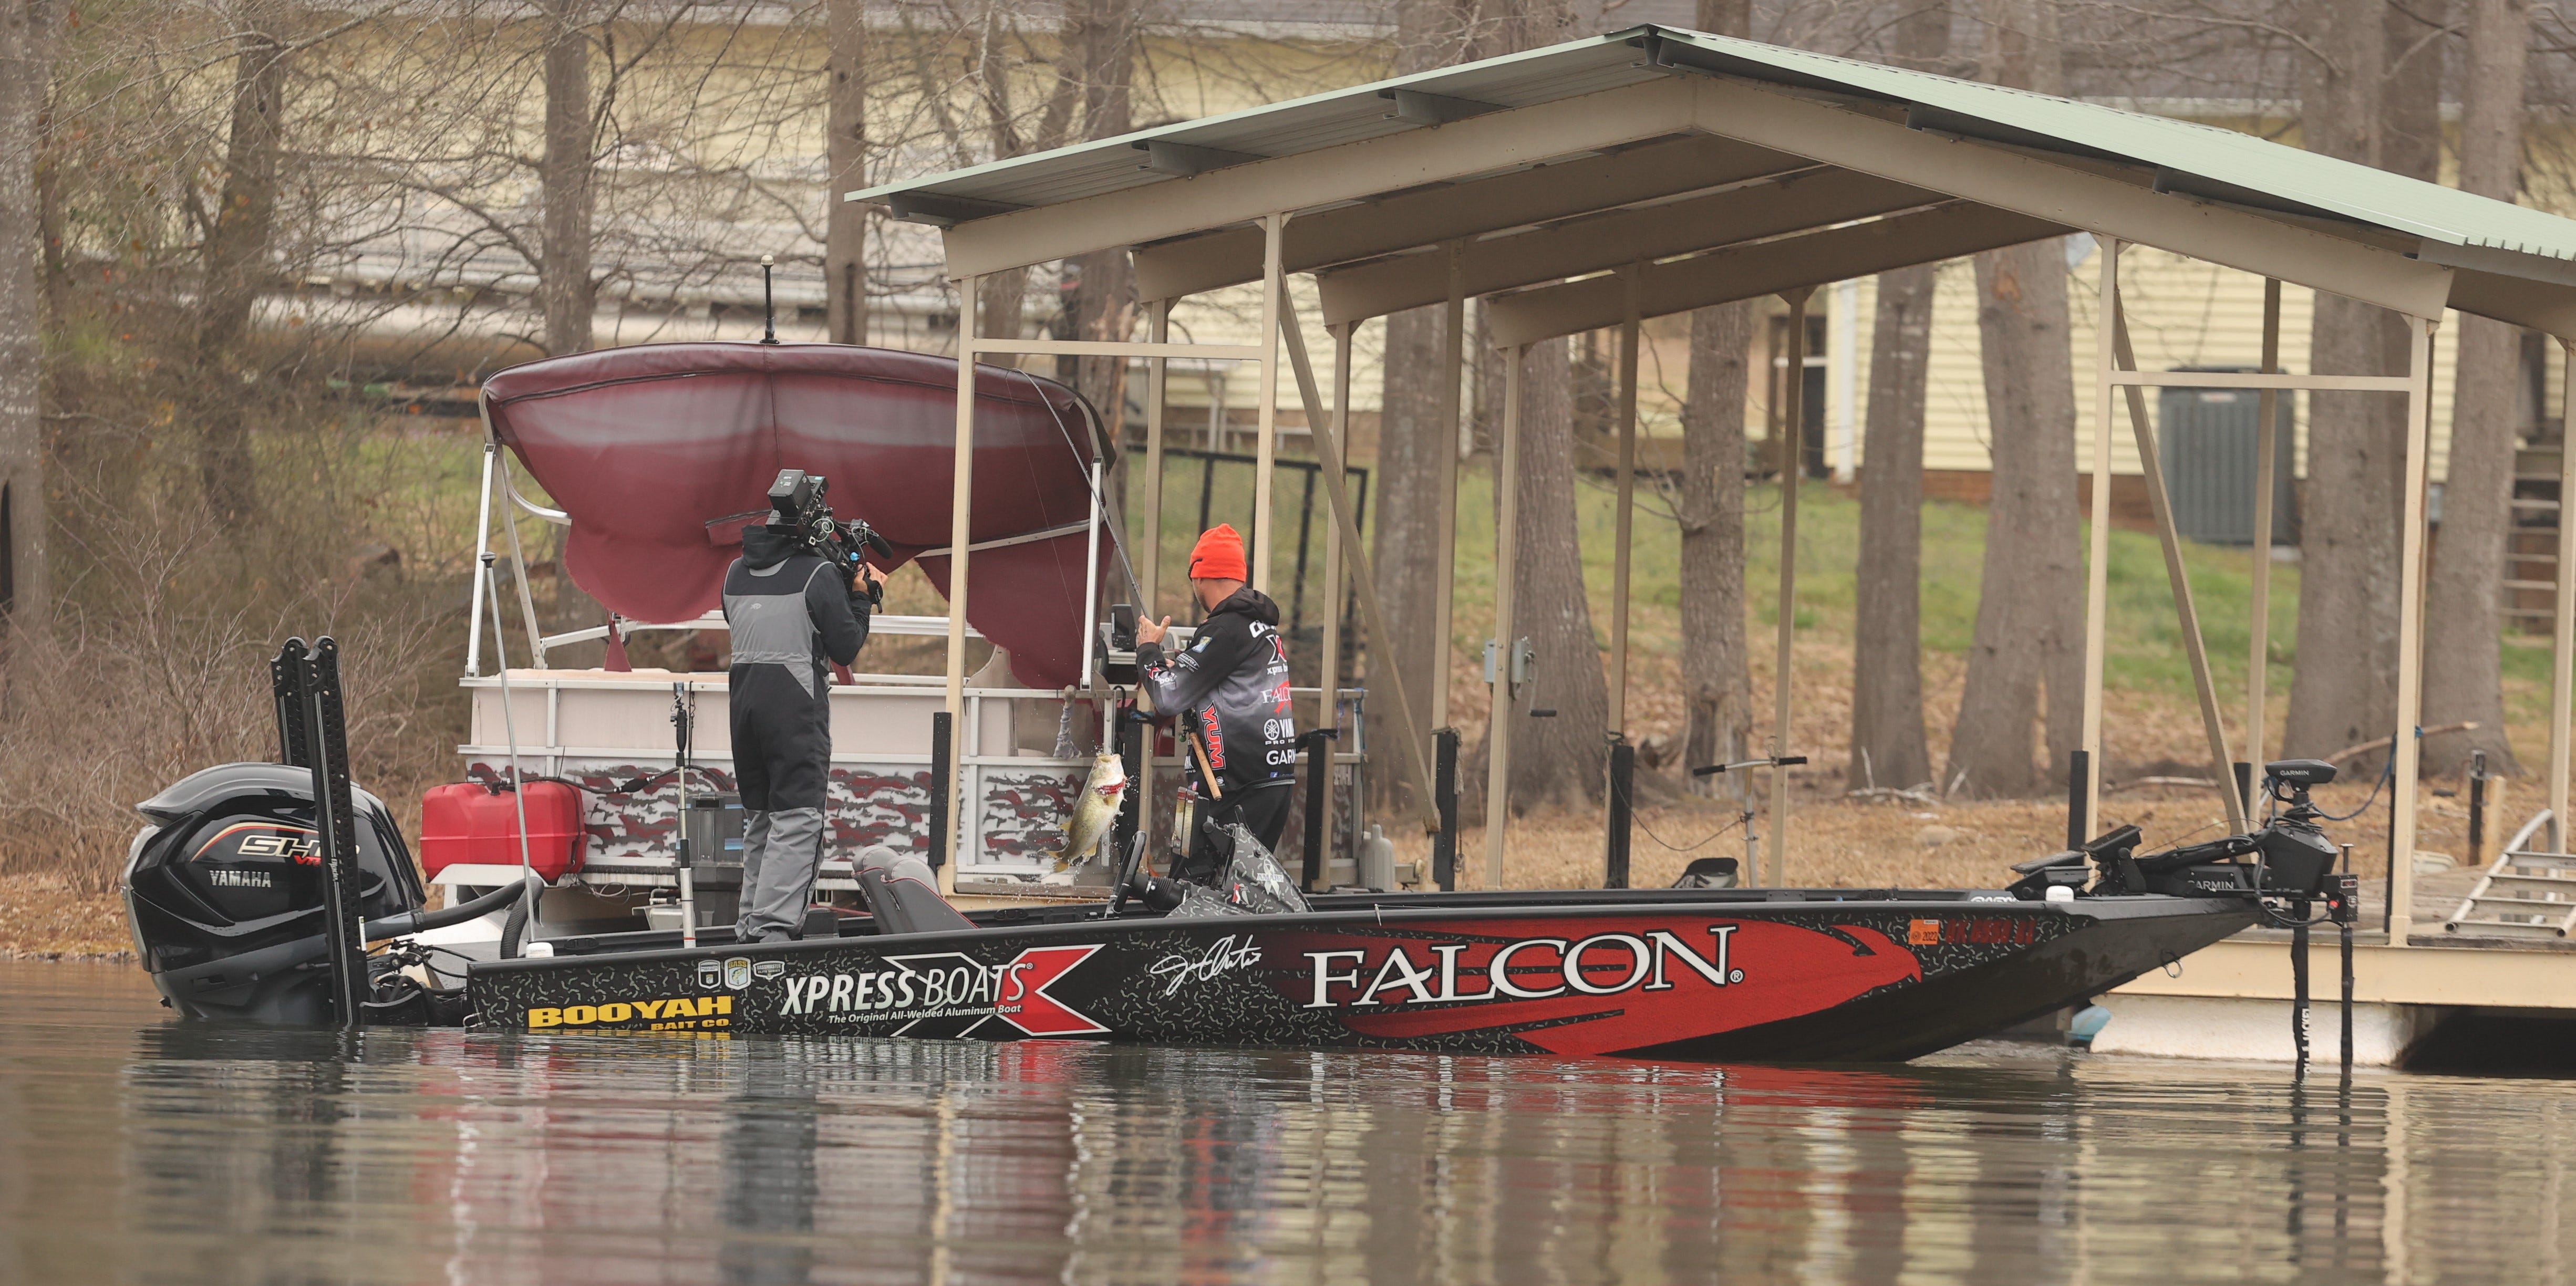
x=1702 y=976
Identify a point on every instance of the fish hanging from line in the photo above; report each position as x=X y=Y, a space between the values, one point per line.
x=1102 y=793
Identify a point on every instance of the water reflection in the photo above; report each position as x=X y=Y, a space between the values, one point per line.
x=148 y=1151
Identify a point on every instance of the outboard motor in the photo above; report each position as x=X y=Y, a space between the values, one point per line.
x=224 y=892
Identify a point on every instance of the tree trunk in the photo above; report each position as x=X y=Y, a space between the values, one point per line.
x=566 y=294
x=1404 y=490
x=1104 y=293
x=1888 y=745
x=238 y=244
x=2030 y=609
x=1717 y=684
x=2463 y=677
x=27 y=30
x=1559 y=759
x=2359 y=107
x=1717 y=681
x=1887 y=739
x=845 y=226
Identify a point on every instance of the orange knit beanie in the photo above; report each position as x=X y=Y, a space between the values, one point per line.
x=1219 y=556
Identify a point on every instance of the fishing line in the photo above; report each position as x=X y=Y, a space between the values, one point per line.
x=1117 y=536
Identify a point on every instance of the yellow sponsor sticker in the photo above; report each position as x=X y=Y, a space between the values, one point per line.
x=671 y=1013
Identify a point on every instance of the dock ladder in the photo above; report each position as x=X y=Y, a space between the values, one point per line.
x=2523 y=895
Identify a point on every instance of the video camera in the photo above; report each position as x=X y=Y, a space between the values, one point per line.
x=797 y=505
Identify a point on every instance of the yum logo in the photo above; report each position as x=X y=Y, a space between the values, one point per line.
x=1605 y=964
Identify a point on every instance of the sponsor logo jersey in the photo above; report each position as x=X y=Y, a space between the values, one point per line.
x=1229 y=687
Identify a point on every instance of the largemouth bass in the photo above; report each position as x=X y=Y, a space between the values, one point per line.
x=1102 y=793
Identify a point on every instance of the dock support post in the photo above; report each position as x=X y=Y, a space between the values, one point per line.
x=1625 y=519
x=943 y=840
x=1614 y=860
x=1150 y=545
x=1328 y=668
x=2097 y=570
x=1444 y=588
x=1507 y=508
x=2266 y=443
x=2079 y=777
x=2409 y=743
x=1265 y=452
x=1793 y=432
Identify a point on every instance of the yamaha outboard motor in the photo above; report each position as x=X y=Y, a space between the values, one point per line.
x=224 y=892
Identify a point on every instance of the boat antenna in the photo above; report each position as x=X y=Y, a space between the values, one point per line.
x=768 y=303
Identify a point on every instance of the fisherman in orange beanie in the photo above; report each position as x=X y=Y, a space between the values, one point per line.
x=1229 y=692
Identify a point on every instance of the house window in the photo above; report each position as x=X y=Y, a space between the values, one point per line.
x=1811 y=403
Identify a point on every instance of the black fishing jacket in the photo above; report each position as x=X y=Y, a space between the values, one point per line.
x=1230 y=686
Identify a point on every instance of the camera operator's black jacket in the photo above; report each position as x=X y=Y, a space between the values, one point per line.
x=789 y=611
x=1231 y=685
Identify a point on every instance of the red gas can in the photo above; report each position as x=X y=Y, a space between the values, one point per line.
x=468 y=823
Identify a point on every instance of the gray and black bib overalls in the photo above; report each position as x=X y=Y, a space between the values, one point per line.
x=789 y=612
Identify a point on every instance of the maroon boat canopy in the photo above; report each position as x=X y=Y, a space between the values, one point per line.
x=662 y=452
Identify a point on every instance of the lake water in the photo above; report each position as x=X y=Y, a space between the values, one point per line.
x=136 y=1149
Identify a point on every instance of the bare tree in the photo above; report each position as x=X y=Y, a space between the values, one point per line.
x=238 y=236
x=2464 y=680
x=1888 y=746
x=27 y=29
x=1100 y=36
x=2363 y=98
x=2030 y=621
x=1717 y=680
x=1559 y=758
x=568 y=294
x=845 y=237
x=1411 y=434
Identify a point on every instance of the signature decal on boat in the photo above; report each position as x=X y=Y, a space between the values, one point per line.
x=1222 y=956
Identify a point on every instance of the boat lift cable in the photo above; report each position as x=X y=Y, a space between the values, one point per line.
x=2387 y=774
x=1640 y=822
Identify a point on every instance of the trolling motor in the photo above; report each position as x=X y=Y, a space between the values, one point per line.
x=2295 y=857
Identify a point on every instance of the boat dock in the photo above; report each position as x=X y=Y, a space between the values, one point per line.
x=2233 y=999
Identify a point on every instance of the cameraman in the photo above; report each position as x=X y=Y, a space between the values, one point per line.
x=789 y=611
x=1228 y=690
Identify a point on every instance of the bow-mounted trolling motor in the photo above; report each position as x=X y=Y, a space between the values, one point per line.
x=2295 y=859
x=2293 y=871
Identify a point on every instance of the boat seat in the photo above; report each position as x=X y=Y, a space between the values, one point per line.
x=903 y=895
